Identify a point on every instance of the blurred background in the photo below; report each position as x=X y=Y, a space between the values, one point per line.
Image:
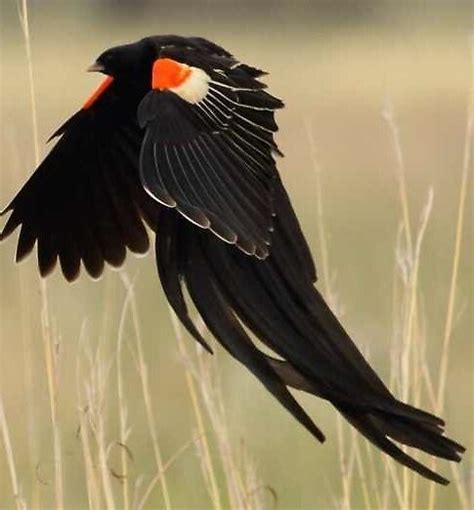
x=338 y=65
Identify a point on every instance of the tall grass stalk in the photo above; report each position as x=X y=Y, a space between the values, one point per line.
x=123 y=414
x=50 y=349
x=92 y=485
x=243 y=487
x=92 y=392
x=466 y=176
x=143 y=501
x=207 y=464
x=211 y=397
x=143 y=371
x=349 y=458
x=19 y=501
x=409 y=366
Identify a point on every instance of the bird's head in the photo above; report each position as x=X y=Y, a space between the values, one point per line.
x=128 y=60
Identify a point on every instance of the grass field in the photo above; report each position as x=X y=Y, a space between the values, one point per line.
x=105 y=403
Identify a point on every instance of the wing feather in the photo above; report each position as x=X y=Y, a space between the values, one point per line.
x=85 y=201
x=212 y=159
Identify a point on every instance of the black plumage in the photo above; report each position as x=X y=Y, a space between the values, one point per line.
x=192 y=154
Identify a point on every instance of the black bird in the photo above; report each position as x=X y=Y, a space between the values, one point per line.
x=180 y=136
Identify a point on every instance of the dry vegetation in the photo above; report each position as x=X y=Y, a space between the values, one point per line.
x=114 y=404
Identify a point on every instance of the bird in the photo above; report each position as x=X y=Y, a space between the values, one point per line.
x=180 y=137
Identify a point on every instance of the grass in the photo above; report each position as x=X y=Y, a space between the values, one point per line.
x=108 y=442
x=411 y=375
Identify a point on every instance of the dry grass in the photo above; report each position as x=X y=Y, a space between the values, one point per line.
x=410 y=374
x=112 y=475
x=17 y=497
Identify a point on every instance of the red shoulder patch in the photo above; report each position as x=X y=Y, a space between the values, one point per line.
x=98 y=92
x=168 y=74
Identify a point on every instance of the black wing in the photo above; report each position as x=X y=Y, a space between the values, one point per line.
x=85 y=201
x=213 y=159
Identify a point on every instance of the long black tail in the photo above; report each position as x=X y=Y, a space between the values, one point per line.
x=405 y=424
x=277 y=301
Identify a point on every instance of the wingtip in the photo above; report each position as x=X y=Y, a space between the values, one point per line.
x=5 y=210
x=9 y=227
x=46 y=271
x=71 y=277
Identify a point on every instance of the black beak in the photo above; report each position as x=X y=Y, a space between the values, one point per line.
x=96 y=67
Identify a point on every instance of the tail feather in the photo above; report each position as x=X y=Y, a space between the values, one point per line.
x=167 y=264
x=365 y=425
x=174 y=262
x=379 y=426
x=276 y=300
x=416 y=434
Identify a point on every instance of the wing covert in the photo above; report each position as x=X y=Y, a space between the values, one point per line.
x=209 y=148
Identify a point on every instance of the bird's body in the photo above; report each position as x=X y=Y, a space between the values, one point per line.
x=180 y=135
